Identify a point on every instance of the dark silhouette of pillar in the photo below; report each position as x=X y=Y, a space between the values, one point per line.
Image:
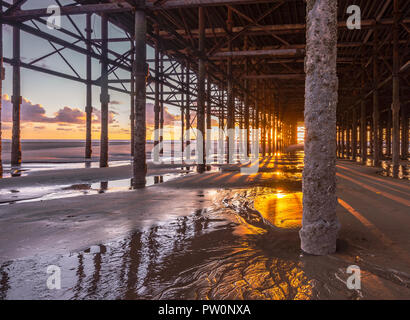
x=1 y=80
x=208 y=136
x=187 y=114
x=88 y=106
x=404 y=133
x=156 y=95
x=104 y=97
x=132 y=96
x=139 y=160
x=201 y=91
x=388 y=133
x=16 y=99
x=354 y=134
x=396 y=92
x=231 y=100
x=376 y=112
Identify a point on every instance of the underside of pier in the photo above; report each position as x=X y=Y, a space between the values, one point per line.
x=262 y=66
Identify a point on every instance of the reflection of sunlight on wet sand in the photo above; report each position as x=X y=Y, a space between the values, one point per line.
x=283 y=210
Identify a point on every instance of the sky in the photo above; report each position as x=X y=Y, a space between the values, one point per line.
x=52 y=107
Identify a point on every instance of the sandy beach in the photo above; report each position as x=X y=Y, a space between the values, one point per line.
x=219 y=235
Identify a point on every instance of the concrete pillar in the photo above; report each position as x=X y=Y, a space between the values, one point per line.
x=132 y=96
x=88 y=106
x=187 y=114
x=388 y=133
x=257 y=109
x=208 y=137
x=161 y=104
x=338 y=145
x=396 y=92
x=354 y=134
x=404 y=133
x=263 y=116
x=156 y=94
x=348 y=126
x=104 y=97
x=201 y=90
x=139 y=160
x=376 y=112
x=231 y=102
x=246 y=111
x=1 y=81
x=363 y=120
x=182 y=114
x=343 y=133
x=270 y=129
x=16 y=99
x=320 y=225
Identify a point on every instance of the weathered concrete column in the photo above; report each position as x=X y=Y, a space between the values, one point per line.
x=343 y=144
x=263 y=115
x=16 y=99
x=139 y=160
x=376 y=112
x=270 y=129
x=363 y=120
x=208 y=137
x=161 y=104
x=354 y=134
x=1 y=80
x=201 y=91
x=338 y=137
x=257 y=110
x=132 y=96
x=388 y=133
x=396 y=93
x=187 y=114
x=319 y=224
x=182 y=115
x=230 y=118
x=348 y=126
x=156 y=94
x=88 y=106
x=104 y=97
x=404 y=133
x=246 y=111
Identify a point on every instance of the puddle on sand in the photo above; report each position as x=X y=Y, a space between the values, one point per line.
x=226 y=251
x=30 y=194
x=204 y=255
x=26 y=169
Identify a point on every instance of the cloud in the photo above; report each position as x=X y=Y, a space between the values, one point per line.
x=169 y=118
x=115 y=102
x=36 y=113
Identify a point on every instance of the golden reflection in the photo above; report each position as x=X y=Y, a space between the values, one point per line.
x=283 y=210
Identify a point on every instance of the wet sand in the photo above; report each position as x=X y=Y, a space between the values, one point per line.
x=220 y=235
